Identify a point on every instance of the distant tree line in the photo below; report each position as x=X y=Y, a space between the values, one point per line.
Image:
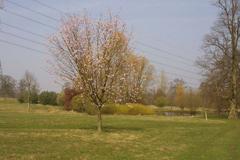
x=161 y=93
x=7 y=84
x=26 y=90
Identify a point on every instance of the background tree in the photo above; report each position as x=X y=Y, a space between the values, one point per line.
x=28 y=89
x=79 y=103
x=208 y=99
x=48 y=98
x=192 y=100
x=60 y=99
x=163 y=86
x=22 y=93
x=138 y=74
x=1 y=4
x=160 y=96
x=161 y=101
x=69 y=93
x=1 y=73
x=180 y=93
x=220 y=64
x=171 y=92
x=7 y=86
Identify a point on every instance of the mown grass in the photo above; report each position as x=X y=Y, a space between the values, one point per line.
x=50 y=133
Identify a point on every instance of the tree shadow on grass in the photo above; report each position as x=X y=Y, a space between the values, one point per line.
x=110 y=128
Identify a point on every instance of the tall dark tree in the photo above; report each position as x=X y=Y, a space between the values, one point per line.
x=8 y=86
x=1 y=76
x=1 y=70
x=171 y=94
x=220 y=64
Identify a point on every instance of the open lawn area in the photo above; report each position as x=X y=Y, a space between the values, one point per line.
x=50 y=133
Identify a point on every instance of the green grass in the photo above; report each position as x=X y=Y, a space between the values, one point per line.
x=50 y=133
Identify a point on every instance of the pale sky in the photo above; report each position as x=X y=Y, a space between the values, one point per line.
x=175 y=26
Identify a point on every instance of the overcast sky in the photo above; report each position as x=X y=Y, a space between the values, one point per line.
x=175 y=27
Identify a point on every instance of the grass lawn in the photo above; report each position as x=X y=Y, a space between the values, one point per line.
x=50 y=133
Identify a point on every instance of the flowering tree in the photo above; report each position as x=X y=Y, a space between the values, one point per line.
x=91 y=54
x=138 y=75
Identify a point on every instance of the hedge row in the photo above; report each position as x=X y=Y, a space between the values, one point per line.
x=128 y=109
x=110 y=109
x=80 y=104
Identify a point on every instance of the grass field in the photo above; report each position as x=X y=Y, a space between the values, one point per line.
x=50 y=133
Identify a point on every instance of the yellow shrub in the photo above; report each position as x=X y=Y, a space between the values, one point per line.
x=139 y=109
x=123 y=109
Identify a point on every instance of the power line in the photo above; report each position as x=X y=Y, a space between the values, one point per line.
x=46 y=53
x=167 y=43
x=47 y=6
x=1 y=4
x=174 y=46
x=24 y=30
x=43 y=44
x=28 y=39
x=149 y=46
x=156 y=54
x=174 y=67
x=23 y=38
x=146 y=45
x=33 y=41
x=181 y=75
x=163 y=51
x=28 y=18
x=29 y=9
x=187 y=82
x=22 y=46
x=171 y=66
x=48 y=46
x=193 y=85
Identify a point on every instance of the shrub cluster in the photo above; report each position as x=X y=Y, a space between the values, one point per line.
x=79 y=105
x=161 y=101
x=128 y=109
x=138 y=109
x=48 y=98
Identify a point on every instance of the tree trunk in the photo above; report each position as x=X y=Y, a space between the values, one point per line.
x=182 y=111
x=28 y=102
x=205 y=114
x=233 y=101
x=233 y=111
x=99 y=120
